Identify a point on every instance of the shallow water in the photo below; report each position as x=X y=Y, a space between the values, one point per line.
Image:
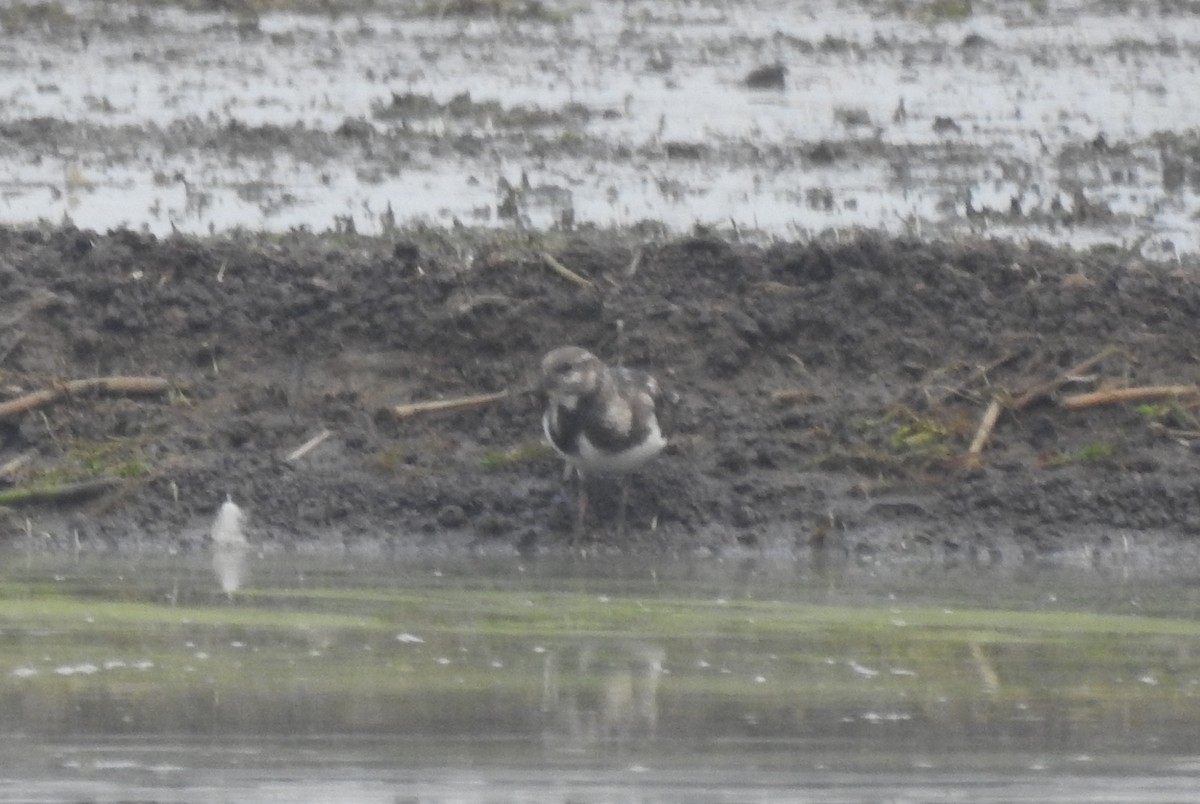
x=599 y=681
x=892 y=116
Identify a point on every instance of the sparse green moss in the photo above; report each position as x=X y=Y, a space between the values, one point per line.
x=1091 y=453
x=918 y=434
x=411 y=651
x=85 y=460
x=110 y=457
x=179 y=398
x=1153 y=411
x=1170 y=414
x=390 y=459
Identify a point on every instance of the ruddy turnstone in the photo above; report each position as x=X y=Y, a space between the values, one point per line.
x=600 y=419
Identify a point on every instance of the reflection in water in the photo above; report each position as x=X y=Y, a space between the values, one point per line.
x=606 y=696
x=229 y=563
x=439 y=671
x=229 y=547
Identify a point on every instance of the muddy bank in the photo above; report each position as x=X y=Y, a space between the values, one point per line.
x=828 y=391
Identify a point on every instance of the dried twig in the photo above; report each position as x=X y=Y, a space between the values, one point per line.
x=115 y=385
x=1171 y=432
x=1044 y=389
x=28 y=402
x=448 y=405
x=976 y=374
x=792 y=395
x=1158 y=428
x=119 y=385
x=1116 y=395
x=566 y=273
x=634 y=263
x=308 y=446
x=986 y=425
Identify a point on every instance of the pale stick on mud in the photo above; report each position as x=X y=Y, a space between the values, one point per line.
x=566 y=273
x=113 y=385
x=1113 y=396
x=1044 y=389
x=454 y=405
x=308 y=446
x=986 y=425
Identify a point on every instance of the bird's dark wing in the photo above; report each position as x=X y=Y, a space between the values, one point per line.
x=631 y=380
x=662 y=401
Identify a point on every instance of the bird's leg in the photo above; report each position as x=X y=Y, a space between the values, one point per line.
x=580 y=505
x=621 y=506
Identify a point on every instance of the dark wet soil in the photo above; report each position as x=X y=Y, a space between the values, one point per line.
x=828 y=392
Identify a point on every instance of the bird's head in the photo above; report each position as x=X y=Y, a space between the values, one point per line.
x=569 y=373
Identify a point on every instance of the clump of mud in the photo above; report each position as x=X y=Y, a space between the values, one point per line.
x=829 y=391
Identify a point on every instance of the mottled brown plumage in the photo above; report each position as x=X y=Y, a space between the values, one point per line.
x=601 y=420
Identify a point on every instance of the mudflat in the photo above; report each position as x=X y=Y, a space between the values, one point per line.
x=832 y=393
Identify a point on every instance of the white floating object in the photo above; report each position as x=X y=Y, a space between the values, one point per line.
x=862 y=670
x=86 y=669
x=227 y=527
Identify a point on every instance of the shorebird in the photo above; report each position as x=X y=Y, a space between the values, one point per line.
x=601 y=420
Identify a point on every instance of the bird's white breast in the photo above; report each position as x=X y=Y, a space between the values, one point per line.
x=593 y=459
x=547 y=428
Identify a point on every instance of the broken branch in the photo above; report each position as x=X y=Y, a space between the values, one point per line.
x=986 y=425
x=1116 y=395
x=119 y=385
x=28 y=402
x=792 y=395
x=114 y=385
x=566 y=273
x=308 y=446
x=1044 y=389
x=448 y=405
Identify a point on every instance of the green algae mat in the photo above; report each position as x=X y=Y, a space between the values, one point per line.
x=121 y=648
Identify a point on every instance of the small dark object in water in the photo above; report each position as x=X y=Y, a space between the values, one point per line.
x=684 y=150
x=769 y=76
x=946 y=125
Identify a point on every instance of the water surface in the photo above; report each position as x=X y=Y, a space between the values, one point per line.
x=1072 y=122
x=169 y=679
